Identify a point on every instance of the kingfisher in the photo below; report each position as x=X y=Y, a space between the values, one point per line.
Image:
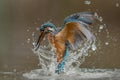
x=73 y=32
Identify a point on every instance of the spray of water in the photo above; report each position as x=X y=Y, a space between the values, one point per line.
x=47 y=59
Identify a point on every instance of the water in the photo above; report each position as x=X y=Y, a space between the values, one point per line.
x=20 y=18
x=48 y=63
x=87 y=2
x=72 y=70
x=80 y=74
x=47 y=59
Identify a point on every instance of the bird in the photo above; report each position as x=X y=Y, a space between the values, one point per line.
x=72 y=33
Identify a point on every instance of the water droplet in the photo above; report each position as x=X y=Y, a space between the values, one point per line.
x=38 y=29
x=96 y=15
x=100 y=19
x=28 y=40
x=106 y=43
x=87 y=2
x=101 y=27
x=33 y=34
x=94 y=47
x=14 y=70
x=28 y=30
x=33 y=43
x=117 y=5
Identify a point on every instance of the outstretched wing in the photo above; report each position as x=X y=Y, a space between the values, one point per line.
x=76 y=29
x=84 y=17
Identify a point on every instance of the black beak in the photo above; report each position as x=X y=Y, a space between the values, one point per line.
x=40 y=39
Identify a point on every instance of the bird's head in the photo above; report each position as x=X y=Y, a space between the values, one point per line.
x=44 y=29
x=47 y=27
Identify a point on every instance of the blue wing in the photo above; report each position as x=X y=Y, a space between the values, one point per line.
x=76 y=29
x=84 y=17
x=74 y=32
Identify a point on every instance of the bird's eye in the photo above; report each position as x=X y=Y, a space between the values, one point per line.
x=49 y=31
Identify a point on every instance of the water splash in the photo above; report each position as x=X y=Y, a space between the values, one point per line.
x=47 y=56
x=84 y=74
x=47 y=59
x=87 y=2
x=117 y=4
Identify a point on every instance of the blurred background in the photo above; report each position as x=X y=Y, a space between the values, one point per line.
x=20 y=18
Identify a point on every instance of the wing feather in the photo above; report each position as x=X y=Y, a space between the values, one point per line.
x=75 y=33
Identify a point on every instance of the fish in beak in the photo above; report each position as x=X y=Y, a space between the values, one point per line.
x=40 y=39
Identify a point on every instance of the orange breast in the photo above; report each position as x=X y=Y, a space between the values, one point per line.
x=51 y=39
x=59 y=46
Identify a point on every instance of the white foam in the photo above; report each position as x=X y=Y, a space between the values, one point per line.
x=76 y=75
